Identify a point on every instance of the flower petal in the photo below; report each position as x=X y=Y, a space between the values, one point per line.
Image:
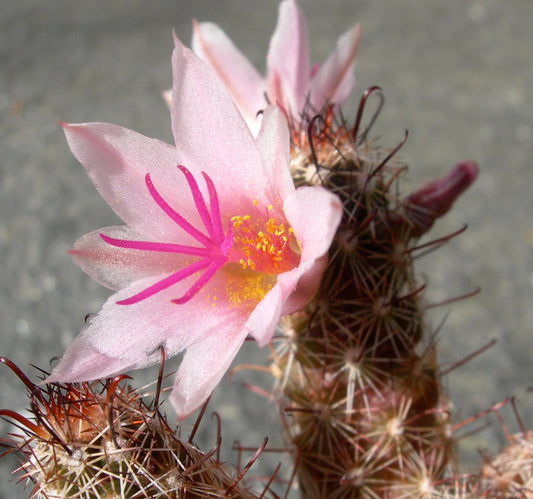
x=301 y=284
x=121 y=337
x=273 y=142
x=116 y=268
x=264 y=319
x=288 y=57
x=334 y=80
x=202 y=367
x=82 y=362
x=242 y=80
x=314 y=214
x=210 y=133
x=117 y=160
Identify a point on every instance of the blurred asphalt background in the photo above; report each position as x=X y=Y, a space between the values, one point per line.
x=457 y=74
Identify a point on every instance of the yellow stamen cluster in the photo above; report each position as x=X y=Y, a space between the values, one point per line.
x=246 y=289
x=261 y=250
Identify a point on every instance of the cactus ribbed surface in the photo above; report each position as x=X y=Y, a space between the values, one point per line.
x=356 y=372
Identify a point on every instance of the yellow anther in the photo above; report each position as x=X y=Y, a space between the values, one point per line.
x=262 y=243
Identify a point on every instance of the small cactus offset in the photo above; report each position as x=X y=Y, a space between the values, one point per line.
x=357 y=376
x=101 y=440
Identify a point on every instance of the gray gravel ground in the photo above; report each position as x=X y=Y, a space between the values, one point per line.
x=458 y=74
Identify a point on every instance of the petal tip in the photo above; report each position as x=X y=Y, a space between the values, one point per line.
x=177 y=41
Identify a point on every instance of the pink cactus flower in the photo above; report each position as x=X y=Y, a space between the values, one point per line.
x=290 y=80
x=217 y=244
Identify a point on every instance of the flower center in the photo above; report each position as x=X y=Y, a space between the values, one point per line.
x=251 y=251
x=267 y=246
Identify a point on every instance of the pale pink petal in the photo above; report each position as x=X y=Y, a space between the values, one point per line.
x=117 y=160
x=133 y=333
x=82 y=362
x=129 y=336
x=242 y=80
x=288 y=57
x=202 y=368
x=303 y=284
x=210 y=132
x=120 y=338
x=314 y=214
x=116 y=268
x=334 y=80
x=273 y=142
x=264 y=319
